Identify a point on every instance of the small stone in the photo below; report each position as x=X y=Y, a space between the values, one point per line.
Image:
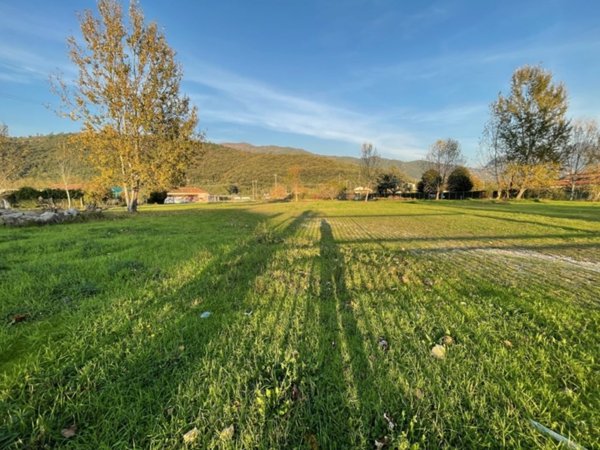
x=438 y=351
x=383 y=344
x=69 y=432
x=48 y=217
x=71 y=212
x=205 y=315
x=191 y=436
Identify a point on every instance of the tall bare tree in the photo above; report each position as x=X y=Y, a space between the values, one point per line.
x=295 y=181
x=11 y=161
x=443 y=157
x=582 y=151
x=369 y=165
x=65 y=163
x=493 y=157
x=138 y=129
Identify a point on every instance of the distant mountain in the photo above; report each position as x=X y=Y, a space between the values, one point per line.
x=271 y=149
x=220 y=166
x=217 y=166
x=413 y=169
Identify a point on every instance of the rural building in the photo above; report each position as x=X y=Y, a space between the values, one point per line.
x=187 y=195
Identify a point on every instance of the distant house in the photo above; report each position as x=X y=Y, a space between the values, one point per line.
x=362 y=190
x=187 y=194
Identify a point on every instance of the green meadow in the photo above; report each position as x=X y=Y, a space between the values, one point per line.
x=323 y=317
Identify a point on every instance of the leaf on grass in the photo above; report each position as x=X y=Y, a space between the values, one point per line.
x=447 y=340
x=191 y=436
x=419 y=394
x=390 y=422
x=17 y=318
x=438 y=351
x=381 y=442
x=227 y=433
x=295 y=393
x=312 y=442
x=507 y=343
x=69 y=432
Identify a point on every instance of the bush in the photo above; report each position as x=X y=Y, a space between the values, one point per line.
x=28 y=193
x=460 y=180
x=157 y=197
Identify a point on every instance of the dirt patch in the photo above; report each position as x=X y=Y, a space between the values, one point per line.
x=527 y=254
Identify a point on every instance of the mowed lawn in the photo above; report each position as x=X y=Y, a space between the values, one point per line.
x=323 y=319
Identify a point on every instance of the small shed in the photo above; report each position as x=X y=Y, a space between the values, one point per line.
x=187 y=194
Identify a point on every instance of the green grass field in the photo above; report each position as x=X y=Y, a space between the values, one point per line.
x=101 y=327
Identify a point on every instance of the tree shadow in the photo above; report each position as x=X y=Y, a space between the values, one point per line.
x=142 y=360
x=585 y=217
x=588 y=213
x=344 y=368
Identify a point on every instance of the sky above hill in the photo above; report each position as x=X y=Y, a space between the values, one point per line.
x=325 y=75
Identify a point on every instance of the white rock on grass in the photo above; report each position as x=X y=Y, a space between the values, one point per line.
x=438 y=351
x=48 y=217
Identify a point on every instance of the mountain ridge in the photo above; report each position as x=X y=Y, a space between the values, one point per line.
x=217 y=166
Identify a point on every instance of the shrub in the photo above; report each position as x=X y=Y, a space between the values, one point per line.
x=157 y=197
x=460 y=180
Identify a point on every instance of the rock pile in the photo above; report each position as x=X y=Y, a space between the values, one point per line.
x=18 y=218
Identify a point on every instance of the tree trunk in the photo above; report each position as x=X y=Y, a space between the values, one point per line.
x=127 y=196
x=68 y=197
x=133 y=201
x=572 y=197
x=521 y=192
x=437 y=194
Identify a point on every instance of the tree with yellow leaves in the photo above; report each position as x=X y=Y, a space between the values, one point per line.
x=11 y=160
x=528 y=128
x=138 y=130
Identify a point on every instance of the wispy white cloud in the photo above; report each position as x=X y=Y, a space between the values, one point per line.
x=23 y=66
x=228 y=97
x=533 y=51
x=16 y=18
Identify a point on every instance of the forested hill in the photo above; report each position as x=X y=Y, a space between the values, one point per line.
x=216 y=166
x=412 y=169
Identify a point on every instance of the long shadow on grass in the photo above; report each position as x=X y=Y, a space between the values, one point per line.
x=588 y=213
x=347 y=385
x=520 y=220
x=122 y=392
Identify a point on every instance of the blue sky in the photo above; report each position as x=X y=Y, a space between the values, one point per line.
x=325 y=75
